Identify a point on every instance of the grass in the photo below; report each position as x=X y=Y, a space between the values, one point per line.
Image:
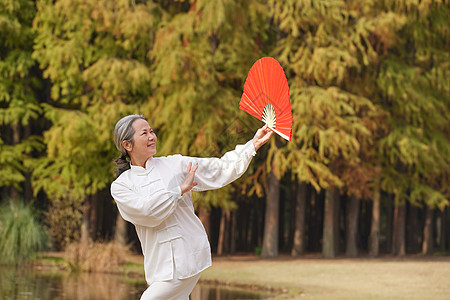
x=21 y=235
x=388 y=278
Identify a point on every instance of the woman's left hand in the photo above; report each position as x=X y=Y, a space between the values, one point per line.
x=262 y=136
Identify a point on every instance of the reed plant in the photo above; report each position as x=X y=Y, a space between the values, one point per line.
x=21 y=234
x=92 y=256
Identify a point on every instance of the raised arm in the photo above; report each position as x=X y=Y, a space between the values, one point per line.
x=214 y=173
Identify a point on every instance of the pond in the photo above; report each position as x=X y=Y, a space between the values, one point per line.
x=28 y=283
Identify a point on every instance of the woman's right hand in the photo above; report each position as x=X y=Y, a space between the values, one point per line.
x=189 y=182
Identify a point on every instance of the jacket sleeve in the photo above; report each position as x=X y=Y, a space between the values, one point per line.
x=214 y=173
x=145 y=210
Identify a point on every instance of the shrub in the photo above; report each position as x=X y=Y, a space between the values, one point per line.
x=64 y=219
x=21 y=235
x=96 y=257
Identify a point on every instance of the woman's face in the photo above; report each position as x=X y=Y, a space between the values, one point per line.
x=144 y=141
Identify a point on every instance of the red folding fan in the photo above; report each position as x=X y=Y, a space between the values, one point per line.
x=266 y=96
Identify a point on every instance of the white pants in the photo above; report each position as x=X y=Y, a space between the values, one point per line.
x=175 y=289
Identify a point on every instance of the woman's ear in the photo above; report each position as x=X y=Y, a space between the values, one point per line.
x=127 y=145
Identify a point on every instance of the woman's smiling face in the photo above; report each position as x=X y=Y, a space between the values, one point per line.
x=144 y=142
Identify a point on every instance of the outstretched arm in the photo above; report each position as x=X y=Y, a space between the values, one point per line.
x=214 y=173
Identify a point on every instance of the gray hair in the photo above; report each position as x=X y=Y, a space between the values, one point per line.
x=124 y=131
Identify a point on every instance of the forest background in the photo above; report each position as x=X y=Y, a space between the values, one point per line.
x=367 y=170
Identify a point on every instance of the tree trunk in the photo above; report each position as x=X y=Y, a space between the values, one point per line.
x=427 y=245
x=255 y=236
x=374 y=238
x=224 y=219
x=85 y=223
x=120 y=234
x=292 y=208
x=315 y=228
x=337 y=222
x=328 y=246
x=412 y=242
x=389 y=223
x=270 y=238
x=398 y=242
x=233 y=232
x=299 y=233
x=351 y=249
x=93 y=217
x=244 y=226
x=447 y=225
x=443 y=240
x=281 y=229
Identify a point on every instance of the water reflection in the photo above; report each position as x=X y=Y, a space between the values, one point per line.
x=26 y=283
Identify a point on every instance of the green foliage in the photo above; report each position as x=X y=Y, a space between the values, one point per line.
x=95 y=54
x=325 y=48
x=21 y=234
x=413 y=80
x=19 y=84
x=368 y=80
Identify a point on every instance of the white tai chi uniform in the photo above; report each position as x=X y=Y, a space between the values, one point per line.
x=173 y=240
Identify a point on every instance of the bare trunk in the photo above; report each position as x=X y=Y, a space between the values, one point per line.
x=374 y=238
x=443 y=239
x=351 y=249
x=233 y=233
x=315 y=230
x=398 y=242
x=412 y=242
x=93 y=215
x=299 y=233
x=328 y=246
x=427 y=245
x=120 y=235
x=222 y=231
x=85 y=224
x=389 y=223
x=270 y=238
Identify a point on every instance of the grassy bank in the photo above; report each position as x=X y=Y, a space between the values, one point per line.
x=414 y=277
x=383 y=278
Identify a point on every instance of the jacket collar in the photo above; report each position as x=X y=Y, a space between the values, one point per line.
x=149 y=164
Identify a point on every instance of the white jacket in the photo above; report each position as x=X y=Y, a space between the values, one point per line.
x=168 y=229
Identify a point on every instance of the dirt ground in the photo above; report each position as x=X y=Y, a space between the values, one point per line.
x=311 y=277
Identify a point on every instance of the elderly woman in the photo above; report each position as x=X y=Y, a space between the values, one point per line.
x=154 y=194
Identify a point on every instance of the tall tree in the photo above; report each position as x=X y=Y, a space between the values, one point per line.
x=20 y=85
x=95 y=55
x=325 y=48
x=412 y=80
